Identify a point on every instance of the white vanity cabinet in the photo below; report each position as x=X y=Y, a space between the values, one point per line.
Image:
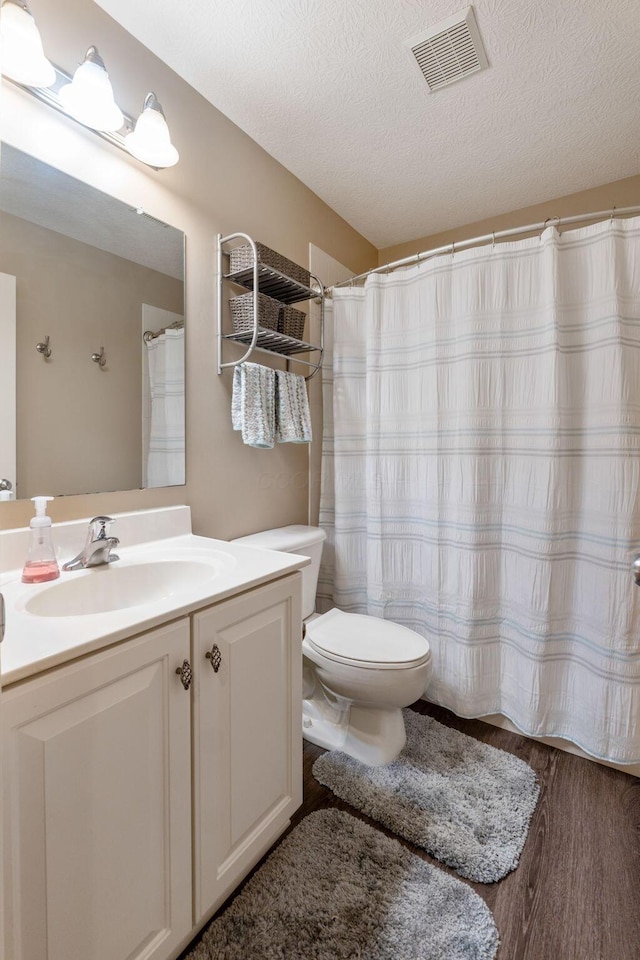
x=133 y=807
x=96 y=773
x=247 y=729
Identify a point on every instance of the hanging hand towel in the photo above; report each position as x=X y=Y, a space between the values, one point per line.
x=252 y=404
x=293 y=420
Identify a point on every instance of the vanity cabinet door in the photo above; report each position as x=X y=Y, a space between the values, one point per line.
x=247 y=658
x=96 y=782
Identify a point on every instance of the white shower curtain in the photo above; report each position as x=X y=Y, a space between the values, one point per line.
x=481 y=476
x=165 y=455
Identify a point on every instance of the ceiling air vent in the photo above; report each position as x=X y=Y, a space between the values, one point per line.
x=450 y=50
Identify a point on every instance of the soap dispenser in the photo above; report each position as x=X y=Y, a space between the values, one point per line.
x=41 y=562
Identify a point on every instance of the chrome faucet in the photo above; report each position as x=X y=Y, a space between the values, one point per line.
x=97 y=548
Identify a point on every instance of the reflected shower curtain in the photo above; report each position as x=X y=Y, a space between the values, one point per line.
x=481 y=476
x=165 y=455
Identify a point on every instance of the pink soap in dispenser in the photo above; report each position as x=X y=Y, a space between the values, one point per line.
x=41 y=562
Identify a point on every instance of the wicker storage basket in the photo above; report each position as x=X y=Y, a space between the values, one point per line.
x=291 y=322
x=242 y=312
x=241 y=258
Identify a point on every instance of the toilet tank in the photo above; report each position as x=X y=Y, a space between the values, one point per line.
x=300 y=539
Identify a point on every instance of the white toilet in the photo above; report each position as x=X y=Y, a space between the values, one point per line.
x=359 y=671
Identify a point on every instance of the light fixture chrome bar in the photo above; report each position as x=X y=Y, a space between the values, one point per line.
x=485 y=239
x=49 y=95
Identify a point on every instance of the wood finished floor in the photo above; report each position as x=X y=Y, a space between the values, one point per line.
x=575 y=894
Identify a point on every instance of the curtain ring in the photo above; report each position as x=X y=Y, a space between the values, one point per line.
x=493 y=239
x=453 y=249
x=612 y=213
x=544 y=227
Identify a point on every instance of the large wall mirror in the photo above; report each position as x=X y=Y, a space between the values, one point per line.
x=92 y=373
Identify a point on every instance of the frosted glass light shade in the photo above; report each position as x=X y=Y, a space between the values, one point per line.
x=21 y=55
x=89 y=97
x=150 y=141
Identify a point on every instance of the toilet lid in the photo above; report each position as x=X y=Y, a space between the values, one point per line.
x=367 y=640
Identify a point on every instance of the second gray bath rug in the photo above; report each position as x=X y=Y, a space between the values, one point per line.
x=338 y=889
x=466 y=803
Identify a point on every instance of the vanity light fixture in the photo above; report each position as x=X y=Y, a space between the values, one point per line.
x=150 y=141
x=89 y=97
x=21 y=53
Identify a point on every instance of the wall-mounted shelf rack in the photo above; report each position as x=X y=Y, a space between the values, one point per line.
x=274 y=284
x=266 y=279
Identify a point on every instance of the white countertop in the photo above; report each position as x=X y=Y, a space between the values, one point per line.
x=34 y=643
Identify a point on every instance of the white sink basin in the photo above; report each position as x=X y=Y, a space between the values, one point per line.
x=109 y=588
x=164 y=572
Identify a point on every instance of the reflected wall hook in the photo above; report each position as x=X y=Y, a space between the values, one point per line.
x=99 y=358
x=44 y=348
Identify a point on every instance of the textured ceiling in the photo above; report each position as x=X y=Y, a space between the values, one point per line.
x=330 y=89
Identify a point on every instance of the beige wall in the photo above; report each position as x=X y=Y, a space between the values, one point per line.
x=224 y=182
x=83 y=299
x=621 y=193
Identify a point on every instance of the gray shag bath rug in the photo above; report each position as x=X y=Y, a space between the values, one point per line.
x=466 y=803
x=337 y=888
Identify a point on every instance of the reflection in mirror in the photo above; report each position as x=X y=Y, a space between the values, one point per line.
x=89 y=273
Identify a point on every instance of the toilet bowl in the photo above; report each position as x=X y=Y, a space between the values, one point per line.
x=364 y=671
x=358 y=671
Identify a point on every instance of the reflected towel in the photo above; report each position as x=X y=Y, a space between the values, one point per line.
x=293 y=419
x=253 y=404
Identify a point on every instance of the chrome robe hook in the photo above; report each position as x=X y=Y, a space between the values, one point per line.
x=44 y=348
x=99 y=358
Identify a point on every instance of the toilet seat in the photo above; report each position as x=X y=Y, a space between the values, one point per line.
x=364 y=641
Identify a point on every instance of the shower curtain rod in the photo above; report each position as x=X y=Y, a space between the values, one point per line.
x=150 y=335
x=487 y=238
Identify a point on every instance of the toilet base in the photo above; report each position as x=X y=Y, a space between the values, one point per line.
x=373 y=735
x=376 y=734
x=325 y=721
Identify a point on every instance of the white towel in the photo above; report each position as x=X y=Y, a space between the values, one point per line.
x=293 y=420
x=253 y=404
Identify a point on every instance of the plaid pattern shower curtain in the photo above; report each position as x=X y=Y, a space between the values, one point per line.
x=481 y=476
